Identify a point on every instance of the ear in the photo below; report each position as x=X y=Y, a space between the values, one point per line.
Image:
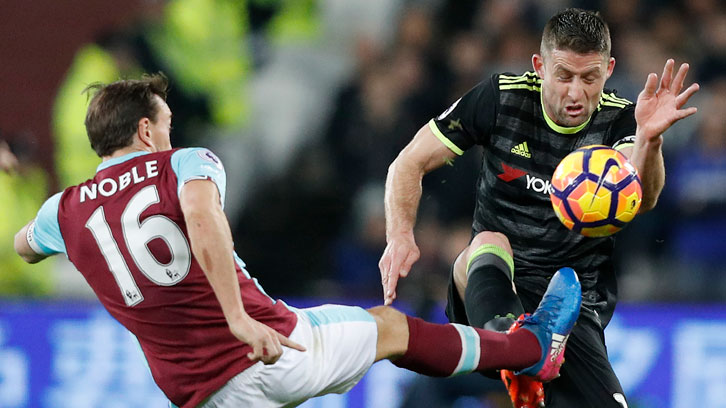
x=143 y=132
x=538 y=65
x=611 y=66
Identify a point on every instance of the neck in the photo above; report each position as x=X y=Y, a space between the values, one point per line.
x=126 y=150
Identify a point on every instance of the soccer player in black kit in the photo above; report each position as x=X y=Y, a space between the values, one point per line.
x=527 y=124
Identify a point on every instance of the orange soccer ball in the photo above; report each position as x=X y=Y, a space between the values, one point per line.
x=595 y=191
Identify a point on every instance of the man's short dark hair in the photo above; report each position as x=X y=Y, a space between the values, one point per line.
x=577 y=30
x=116 y=109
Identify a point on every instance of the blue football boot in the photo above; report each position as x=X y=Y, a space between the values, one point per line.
x=552 y=322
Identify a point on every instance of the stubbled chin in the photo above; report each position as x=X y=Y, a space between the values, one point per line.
x=573 y=121
x=569 y=122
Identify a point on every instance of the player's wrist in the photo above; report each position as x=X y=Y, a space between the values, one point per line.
x=648 y=139
x=238 y=318
x=399 y=233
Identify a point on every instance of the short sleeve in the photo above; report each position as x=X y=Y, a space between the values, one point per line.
x=199 y=164
x=622 y=131
x=44 y=235
x=469 y=120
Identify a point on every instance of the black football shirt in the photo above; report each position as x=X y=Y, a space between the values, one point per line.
x=521 y=148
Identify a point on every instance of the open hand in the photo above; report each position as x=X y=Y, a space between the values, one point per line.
x=660 y=105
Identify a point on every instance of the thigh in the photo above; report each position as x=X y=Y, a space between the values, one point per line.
x=340 y=344
x=587 y=378
x=341 y=347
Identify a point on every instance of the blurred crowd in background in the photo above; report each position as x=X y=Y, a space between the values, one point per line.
x=308 y=102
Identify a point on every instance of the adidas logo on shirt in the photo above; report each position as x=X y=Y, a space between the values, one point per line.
x=522 y=150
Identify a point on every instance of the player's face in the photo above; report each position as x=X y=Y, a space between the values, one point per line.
x=161 y=128
x=572 y=84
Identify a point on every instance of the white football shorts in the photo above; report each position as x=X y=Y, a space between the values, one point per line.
x=341 y=347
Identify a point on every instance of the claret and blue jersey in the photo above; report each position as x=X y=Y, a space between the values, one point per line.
x=125 y=232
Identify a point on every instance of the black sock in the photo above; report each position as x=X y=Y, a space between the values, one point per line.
x=489 y=299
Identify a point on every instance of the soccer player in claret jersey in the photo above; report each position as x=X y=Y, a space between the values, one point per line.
x=527 y=124
x=149 y=234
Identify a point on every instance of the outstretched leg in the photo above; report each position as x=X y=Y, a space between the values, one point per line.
x=445 y=350
x=343 y=341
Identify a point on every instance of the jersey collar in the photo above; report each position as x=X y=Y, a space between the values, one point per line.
x=561 y=129
x=118 y=160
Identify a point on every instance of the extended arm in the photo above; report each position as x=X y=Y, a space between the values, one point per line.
x=659 y=107
x=23 y=248
x=211 y=242
x=403 y=193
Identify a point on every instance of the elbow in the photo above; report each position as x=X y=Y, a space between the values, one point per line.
x=18 y=246
x=407 y=164
x=396 y=163
x=30 y=258
x=647 y=205
x=650 y=198
x=392 y=171
x=21 y=248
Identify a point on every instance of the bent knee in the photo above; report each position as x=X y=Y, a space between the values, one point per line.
x=392 y=331
x=483 y=238
x=460 y=272
x=490 y=238
x=387 y=317
x=462 y=262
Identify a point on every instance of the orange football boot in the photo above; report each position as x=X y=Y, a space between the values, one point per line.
x=524 y=391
